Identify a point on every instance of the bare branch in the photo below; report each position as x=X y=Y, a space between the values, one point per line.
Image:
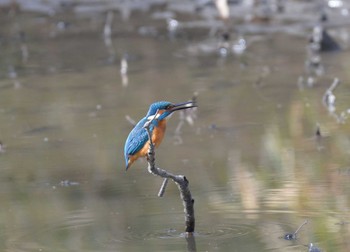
x=180 y=180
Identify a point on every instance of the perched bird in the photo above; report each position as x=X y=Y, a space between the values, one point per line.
x=137 y=143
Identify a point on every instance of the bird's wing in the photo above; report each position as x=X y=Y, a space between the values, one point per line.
x=136 y=139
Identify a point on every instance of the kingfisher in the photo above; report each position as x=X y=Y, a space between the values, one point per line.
x=137 y=143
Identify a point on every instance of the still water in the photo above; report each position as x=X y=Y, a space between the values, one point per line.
x=257 y=168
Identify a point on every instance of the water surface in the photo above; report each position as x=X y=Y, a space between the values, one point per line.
x=256 y=168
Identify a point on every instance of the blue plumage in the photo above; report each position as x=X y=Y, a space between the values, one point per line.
x=138 y=136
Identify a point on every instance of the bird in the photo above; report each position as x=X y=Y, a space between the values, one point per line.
x=137 y=142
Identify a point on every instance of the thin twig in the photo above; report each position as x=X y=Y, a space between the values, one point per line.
x=296 y=231
x=293 y=236
x=163 y=187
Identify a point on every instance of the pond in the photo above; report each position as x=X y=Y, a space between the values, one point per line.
x=265 y=152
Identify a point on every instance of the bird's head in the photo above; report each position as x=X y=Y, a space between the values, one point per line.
x=162 y=109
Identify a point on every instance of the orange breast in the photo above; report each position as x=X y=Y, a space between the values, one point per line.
x=159 y=132
x=157 y=137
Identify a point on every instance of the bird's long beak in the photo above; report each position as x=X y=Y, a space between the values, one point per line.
x=184 y=105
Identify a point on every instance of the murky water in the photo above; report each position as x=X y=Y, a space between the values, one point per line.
x=256 y=167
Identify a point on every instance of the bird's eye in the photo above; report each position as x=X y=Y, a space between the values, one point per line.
x=168 y=107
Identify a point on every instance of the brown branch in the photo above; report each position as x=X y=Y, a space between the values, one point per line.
x=180 y=180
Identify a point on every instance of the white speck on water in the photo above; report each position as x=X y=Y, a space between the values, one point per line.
x=239 y=46
x=173 y=24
